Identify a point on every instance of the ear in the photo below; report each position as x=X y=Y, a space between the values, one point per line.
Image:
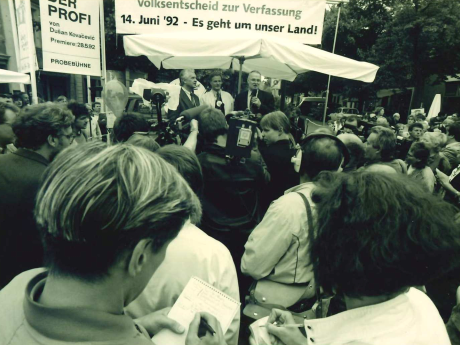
x=141 y=255
x=52 y=141
x=297 y=160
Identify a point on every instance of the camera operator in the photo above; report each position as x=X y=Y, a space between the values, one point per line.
x=257 y=101
x=231 y=188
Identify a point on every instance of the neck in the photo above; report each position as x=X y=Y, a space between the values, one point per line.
x=68 y=292
x=221 y=141
x=304 y=178
x=353 y=303
x=44 y=151
x=283 y=136
x=188 y=88
x=451 y=140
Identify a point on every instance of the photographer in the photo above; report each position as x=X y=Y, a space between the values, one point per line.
x=231 y=188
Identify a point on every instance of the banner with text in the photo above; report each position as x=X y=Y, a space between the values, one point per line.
x=299 y=20
x=70 y=36
x=24 y=24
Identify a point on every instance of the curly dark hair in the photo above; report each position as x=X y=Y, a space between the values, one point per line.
x=126 y=125
x=419 y=154
x=379 y=234
x=78 y=109
x=36 y=122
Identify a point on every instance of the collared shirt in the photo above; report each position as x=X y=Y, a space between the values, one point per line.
x=408 y=319
x=24 y=321
x=189 y=95
x=191 y=253
x=210 y=98
x=250 y=96
x=277 y=248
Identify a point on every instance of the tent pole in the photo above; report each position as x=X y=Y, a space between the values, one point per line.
x=241 y=60
x=333 y=50
x=102 y=33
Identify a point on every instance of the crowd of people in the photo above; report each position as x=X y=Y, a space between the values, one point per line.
x=351 y=231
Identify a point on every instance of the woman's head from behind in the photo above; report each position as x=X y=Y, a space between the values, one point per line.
x=379 y=234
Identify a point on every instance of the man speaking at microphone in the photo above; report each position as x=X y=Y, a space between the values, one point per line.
x=259 y=102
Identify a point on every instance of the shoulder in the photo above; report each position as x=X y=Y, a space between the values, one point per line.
x=265 y=94
x=11 y=300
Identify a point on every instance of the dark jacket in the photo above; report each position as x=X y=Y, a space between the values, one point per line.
x=20 y=244
x=266 y=99
x=278 y=156
x=231 y=191
x=184 y=104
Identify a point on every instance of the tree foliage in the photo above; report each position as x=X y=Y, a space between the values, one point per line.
x=420 y=41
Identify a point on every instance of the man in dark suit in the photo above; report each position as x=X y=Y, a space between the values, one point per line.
x=187 y=97
x=258 y=101
x=42 y=132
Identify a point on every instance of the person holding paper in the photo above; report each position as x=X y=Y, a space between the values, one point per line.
x=104 y=234
x=376 y=264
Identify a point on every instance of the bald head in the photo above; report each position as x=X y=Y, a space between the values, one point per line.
x=254 y=78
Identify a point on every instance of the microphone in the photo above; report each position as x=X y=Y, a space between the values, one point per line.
x=254 y=93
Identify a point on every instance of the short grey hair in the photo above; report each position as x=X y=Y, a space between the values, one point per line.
x=183 y=73
x=102 y=200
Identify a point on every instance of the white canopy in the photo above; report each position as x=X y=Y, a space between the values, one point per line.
x=13 y=77
x=275 y=58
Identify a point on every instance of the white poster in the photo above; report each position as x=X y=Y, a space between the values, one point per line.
x=24 y=24
x=298 y=20
x=70 y=36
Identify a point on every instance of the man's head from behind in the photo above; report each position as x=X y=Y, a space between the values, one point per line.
x=45 y=127
x=186 y=163
x=111 y=210
x=212 y=124
x=320 y=152
x=380 y=145
x=356 y=148
x=126 y=125
x=8 y=113
x=188 y=79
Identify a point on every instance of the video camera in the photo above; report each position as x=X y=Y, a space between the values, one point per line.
x=240 y=134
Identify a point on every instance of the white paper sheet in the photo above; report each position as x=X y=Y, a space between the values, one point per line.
x=198 y=296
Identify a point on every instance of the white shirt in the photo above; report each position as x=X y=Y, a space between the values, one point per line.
x=189 y=95
x=210 y=98
x=191 y=253
x=95 y=131
x=250 y=96
x=408 y=319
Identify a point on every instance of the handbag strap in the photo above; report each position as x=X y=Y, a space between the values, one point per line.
x=308 y=208
x=319 y=308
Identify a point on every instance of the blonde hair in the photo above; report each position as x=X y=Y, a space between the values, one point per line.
x=102 y=200
x=434 y=140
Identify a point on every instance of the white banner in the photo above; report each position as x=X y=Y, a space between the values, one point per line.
x=298 y=20
x=24 y=24
x=70 y=36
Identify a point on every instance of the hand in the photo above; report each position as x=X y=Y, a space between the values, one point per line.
x=289 y=336
x=158 y=320
x=256 y=101
x=193 y=126
x=442 y=178
x=208 y=339
x=258 y=134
